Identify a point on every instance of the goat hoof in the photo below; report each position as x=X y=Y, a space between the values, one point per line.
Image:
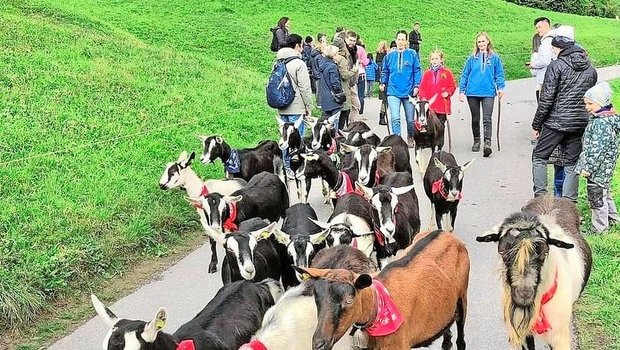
x=213 y=267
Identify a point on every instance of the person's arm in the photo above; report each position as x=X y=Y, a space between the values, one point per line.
x=346 y=72
x=385 y=70
x=303 y=84
x=335 y=81
x=450 y=87
x=281 y=35
x=362 y=56
x=499 y=78
x=548 y=94
x=465 y=75
x=417 y=75
x=544 y=56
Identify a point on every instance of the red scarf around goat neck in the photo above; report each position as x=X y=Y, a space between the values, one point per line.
x=186 y=345
x=389 y=318
x=254 y=344
x=542 y=325
x=438 y=187
x=229 y=224
x=346 y=186
x=205 y=191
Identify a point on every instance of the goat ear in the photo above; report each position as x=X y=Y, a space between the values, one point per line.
x=310 y=272
x=368 y=133
x=323 y=225
x=298 y=122
x=365 y=191
x=282 y=236
x=106 y=314
x=219 y=139
x=401 y=190
x=384 y=149
x=318 y=238
x=344 y=134
x=439 y=165
x=310 y=120
x=202 y=138
x=219 y=237
x=187 y=160
x=363 y=281
x=348 y=148
x=467 y=164
x=155 y=325
x=490 y=236
x=560 y=244
x=310 y=156
x=195 y=202
x=233 y=199
x=264 y=232
x=182 y=157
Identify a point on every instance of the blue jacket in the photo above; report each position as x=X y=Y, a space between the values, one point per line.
x=371 y=71
x=401 y=72
x=482 y=79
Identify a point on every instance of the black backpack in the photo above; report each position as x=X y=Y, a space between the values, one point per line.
x=274 y=40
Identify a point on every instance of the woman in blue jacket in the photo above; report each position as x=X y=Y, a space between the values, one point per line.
x=482 y=79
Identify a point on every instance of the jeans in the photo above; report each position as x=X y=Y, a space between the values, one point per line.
x=291 y=118
x=394 y=106
x=369 y=86
x=558 y=180
x=361 y=91
x=336 y=113
x=487 y=113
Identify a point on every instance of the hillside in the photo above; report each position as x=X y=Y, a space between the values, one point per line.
x=98 y=96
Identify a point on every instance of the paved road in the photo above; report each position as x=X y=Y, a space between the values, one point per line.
x=493 y=188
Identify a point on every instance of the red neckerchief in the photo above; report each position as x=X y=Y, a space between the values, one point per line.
x=388 y=318
x=379 y=236
x=254 y=344
x=229 y=224
x=438 y=187
x=346 y=186
x=332 y=148
x=542 y=325
x=186 y=345
x=418 y=125
x=205 y=191
x=377 y=177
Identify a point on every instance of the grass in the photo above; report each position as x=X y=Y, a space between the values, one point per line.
x=599 y=308
x=98 y=96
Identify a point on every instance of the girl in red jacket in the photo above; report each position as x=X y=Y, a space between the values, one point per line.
x=438 y=83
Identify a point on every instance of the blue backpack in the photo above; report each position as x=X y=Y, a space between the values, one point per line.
x=280 y=92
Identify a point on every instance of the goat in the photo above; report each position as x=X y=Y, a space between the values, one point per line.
x=226 y=322
x=292 y=142
x=180 y=174
x=428 y=131
x=443 y=184
x=289 y=324
x=396 y=214
x=265 y=197
x=546 y=265
x=323 y=134
x=350 y=223
x=318 y=164
x=410 y=303
x=243 y=163
x=297 y=241
x=371 y=162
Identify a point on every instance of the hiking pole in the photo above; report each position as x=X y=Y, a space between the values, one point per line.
x=499 y=115
x=445 y=106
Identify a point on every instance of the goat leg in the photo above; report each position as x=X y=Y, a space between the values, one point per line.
x=213 y=264
x=447 y=340
x=529 y=343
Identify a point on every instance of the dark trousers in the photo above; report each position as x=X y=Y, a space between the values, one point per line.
x=487 y=114
x=361 y=91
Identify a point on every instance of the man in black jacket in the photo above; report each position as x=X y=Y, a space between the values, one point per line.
x=415 y=38
x=561 y=117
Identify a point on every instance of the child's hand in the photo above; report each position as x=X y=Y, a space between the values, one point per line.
x=585 y=173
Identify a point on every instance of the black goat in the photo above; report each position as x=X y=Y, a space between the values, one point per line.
x=443 y=184
x=428 y=131
x=323 y=135
x=402 y=161
x=225 y=323
x=371 y=162
x=318 y=164
x=396 y=214
x=246 y=162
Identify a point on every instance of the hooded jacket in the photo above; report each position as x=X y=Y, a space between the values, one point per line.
x=298 y=71
x=567 y=79
x=346 y=74
x=329 y=83
x=482 y=76
x=599 y=154
x=401 y=73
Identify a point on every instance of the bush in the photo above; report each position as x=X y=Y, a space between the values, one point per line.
x=600 y=8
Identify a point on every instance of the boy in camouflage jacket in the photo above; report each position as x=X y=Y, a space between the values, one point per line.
x=597 y=161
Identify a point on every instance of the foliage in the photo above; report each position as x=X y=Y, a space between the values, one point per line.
x=601 y=8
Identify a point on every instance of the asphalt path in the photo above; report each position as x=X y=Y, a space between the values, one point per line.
x=493 y=188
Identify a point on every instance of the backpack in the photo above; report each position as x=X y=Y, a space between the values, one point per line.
x=274 y=40
x=280 y=92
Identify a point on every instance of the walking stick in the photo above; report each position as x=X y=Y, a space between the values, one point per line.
x=499 y=115
x=445 y=105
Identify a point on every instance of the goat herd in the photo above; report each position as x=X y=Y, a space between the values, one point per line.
x=366 y=278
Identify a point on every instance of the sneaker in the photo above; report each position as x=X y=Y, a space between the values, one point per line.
x=410 y=142
x=290 y=174
x=487 y=149
x=476 y=146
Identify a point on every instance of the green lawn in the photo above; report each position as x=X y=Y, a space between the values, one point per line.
x=599 y=308
x=96 y=96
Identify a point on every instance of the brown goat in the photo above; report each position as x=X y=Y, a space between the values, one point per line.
x=428 y=285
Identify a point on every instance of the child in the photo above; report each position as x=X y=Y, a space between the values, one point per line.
x=438 y=83
x=597 y=161
x=371 y=75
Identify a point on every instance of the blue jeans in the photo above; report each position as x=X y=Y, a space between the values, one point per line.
x=394 y=106
x=558 y=180
x=291 y=118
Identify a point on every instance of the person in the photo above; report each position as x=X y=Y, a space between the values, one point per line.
x=438 y=83
x=543 y=54
x=347 y=73
x=357 y=50
x=283 y=31
x=306 y=55
x=481 y=80
x=315 y=58
x=330 y=84
x=382 y=50
x=302 y=103
x=415 y=38
x=353 y=48
x=561 y=118
x=401 y=77
x=598 y=158
x=371 y=75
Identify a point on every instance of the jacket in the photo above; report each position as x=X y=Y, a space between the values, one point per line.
x=371 y=71
x=482 y=76
x=316 y=55
x=434 y=84
x=346 y=74
x=362 y=58
x=401 y=73
x=541 y=59
x=601 y=142
x=298 y=72
x=329 y=83
x=282 y=36
x=414 y=39
x=567 y=79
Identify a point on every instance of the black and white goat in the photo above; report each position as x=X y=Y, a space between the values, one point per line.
x=428 y=132
x=300 y=238
x=246 y=162
x=323 y=134
x=546 y=264
x=318 y=164
x=179 y=174
x=396 y=214
x=443 y=184
x=350 y=223
x=292 y=142
x=226 y=322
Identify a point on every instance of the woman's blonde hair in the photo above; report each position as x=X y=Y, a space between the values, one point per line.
x=383 y=46
x=489 y=46
x=439 y=52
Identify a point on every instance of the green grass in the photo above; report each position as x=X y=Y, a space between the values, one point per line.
x=108 y=92
x=599 y=307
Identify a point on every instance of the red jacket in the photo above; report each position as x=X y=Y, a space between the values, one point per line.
x=431 y=86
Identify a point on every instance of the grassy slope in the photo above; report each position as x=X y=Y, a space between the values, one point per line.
x=75 y=72
x=599 y=308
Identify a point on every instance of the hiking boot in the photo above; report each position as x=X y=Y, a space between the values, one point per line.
x=487 y=148
x=410 y=142
x=382 y=119
x=476 y=146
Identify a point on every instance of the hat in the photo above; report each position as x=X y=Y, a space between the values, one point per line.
x=600 y=94
x=563 y=37
x=565 y=31
x=339 y=43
